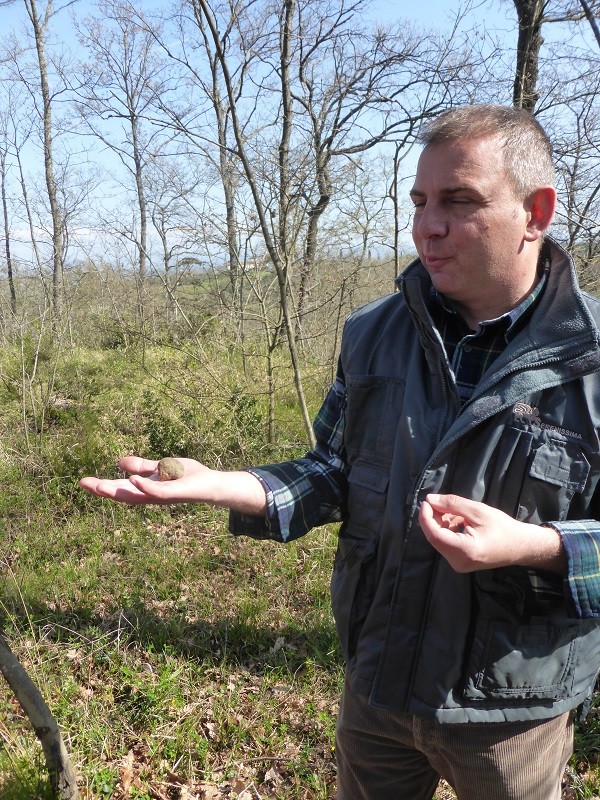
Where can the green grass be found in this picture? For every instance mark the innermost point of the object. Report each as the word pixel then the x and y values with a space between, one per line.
pixel 180 662
pixel 176 654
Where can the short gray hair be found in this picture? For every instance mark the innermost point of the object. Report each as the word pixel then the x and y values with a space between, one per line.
pixel 526 146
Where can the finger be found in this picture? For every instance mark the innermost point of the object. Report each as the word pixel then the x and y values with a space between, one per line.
pixel 427 519
pixel 137 465
pixel 426 512
pixel 455 505
pixel 101 486
pixel 455 522
pixel 431 516
pixel 89 484
pixel 151 486
pixel 183 490
pixel 121 490
pixel 438 531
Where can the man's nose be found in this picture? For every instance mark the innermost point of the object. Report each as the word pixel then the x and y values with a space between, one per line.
pixel 429 220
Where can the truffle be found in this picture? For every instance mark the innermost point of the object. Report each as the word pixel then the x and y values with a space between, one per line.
pixel 170 469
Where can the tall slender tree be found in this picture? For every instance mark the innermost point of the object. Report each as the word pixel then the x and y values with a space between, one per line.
pixel 119 80
pixel 40 16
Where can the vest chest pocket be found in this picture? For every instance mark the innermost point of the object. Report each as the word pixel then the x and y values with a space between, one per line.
pixel 558 470
pixel 536 475
pixel 373 407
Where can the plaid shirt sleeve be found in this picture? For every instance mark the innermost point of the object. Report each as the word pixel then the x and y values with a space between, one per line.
pixel 309 491
pixel 581 540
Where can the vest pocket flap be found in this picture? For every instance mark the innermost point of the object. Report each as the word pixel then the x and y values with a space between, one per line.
pixel 534 661
pixel 369 477
pixel 557 463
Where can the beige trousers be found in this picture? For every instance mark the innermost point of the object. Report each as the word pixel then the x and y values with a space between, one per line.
pixel 383 755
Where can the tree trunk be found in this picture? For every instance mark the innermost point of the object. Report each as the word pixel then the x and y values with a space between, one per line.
pixel 310 250
pixel 7 251
pixel 529 43
pixel 55 210
pixel 61 772
pixel 225 163
pixel 396 205
pixel 277 252
pixel 32 231
pixel 142 244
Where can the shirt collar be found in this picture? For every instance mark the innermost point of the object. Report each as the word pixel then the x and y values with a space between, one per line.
pixel 510 318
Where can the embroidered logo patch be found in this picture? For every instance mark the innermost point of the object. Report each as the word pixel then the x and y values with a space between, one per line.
pixel 531 415
pixel 525 413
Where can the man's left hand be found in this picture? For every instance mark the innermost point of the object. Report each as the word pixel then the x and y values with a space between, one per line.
pixel 472 536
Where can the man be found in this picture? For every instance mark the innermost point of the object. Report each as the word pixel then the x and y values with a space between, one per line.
pixel 460 444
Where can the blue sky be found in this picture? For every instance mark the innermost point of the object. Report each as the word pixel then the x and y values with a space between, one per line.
pixel 441 13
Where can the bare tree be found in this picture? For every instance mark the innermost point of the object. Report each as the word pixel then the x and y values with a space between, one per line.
pixel 224 160
pixel 4 151
pixel 39 20
pixel 575 11
pixel 36 120
pixel 563 91
pixel 177 220
pixel 39 23
pixel 350 86
pixel 576 135
pixel 188 44
pixel 591 15
pixel 120 79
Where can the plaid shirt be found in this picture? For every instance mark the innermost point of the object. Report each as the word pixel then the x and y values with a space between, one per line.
pixel 310 491
pixel 471 353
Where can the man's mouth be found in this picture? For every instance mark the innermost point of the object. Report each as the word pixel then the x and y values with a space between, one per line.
pixel 434 261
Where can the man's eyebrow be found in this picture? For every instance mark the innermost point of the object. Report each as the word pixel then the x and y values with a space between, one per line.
pixel 461 187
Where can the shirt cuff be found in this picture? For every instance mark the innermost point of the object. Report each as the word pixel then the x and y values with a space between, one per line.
pixel 264 527
pixel 581 540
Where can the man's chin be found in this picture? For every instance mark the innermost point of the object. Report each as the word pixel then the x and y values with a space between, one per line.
pixel 443 285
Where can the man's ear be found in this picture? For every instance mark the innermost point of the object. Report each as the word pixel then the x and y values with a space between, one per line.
pixel 540 206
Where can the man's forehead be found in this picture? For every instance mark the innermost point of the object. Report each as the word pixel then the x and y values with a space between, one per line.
pixel 460 164
pixel 491 142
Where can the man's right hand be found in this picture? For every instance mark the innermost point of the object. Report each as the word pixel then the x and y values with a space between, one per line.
pixel 240 491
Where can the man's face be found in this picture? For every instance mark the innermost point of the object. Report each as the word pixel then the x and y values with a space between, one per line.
pixel 469 228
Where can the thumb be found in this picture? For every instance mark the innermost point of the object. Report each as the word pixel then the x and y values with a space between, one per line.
pixel 453 504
